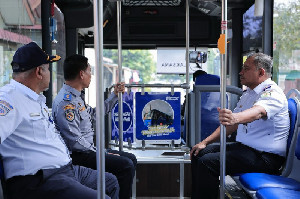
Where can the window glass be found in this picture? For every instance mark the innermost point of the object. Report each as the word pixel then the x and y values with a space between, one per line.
pixel 286 46
pixel 139 67
pixel 17 29
pixel 57 36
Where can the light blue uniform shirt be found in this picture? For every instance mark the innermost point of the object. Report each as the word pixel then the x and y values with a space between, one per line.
pixel 29 140
pixel 266 134
pixel 73 118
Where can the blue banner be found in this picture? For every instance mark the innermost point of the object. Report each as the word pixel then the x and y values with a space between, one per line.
pixel 127 118
pixel 157 116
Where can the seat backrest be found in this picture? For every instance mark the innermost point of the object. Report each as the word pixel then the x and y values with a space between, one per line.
pixel 292 168
pixel 2 181
pixel 209 103
pixel 203 116
pixel 292 137
pixel 292 104
pixel 1 170
pixel 207 79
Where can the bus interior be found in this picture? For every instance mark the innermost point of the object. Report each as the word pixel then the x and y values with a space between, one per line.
pixel 159 28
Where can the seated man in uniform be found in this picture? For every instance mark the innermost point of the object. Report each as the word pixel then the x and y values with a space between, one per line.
pixel 261 120
pixel 36 161
pixel 73 117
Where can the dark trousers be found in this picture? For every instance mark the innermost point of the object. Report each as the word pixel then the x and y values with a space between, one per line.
pixel 239 159
pixel 122 166
pixel 69 181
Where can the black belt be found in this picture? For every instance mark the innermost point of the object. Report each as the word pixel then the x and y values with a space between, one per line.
pixel 16 178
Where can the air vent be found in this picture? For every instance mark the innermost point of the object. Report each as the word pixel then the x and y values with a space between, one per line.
pixel 151 2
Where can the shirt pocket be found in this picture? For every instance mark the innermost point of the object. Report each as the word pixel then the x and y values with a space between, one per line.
pixel 85 123
pixel 42 129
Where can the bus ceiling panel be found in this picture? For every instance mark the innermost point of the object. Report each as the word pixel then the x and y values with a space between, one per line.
pixel 79 17
pixel 163 25
pixel 77 13
pixel 66 3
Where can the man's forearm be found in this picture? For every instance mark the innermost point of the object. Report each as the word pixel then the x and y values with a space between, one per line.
pixel 215 136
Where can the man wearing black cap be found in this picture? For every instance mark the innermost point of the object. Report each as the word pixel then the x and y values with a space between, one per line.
pixel 35 159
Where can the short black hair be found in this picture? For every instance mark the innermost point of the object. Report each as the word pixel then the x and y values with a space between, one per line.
pixel 73 65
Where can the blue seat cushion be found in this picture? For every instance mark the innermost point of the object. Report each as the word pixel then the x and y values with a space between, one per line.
pixel 277 193
pixel 255 181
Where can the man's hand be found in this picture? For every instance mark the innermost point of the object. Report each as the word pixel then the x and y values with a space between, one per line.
pixel 119 87
pixel 227 118
pixel 198 147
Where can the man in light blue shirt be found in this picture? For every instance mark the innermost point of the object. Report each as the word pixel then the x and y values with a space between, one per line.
pixel 73 117
pixel 36 161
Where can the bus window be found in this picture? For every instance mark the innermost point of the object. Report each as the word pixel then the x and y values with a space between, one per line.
pixel 286 48
pixel 20 28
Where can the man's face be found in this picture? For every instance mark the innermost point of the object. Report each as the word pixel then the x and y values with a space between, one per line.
pixel 249 75
pixel 46 77
pixel 87 74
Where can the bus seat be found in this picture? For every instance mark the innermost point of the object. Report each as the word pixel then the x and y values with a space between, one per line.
pixel 210 101
pixel 1 170
pixel 207 112
pixel 277 193
pixel 290 177
pixel 207 79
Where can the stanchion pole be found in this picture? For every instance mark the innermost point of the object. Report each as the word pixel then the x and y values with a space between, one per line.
pixel 100 125
pixel 222 45
pixel 187 63
pixel 120 95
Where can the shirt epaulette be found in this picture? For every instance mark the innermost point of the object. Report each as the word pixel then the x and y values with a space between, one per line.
pixel 67 97
pixel 267 87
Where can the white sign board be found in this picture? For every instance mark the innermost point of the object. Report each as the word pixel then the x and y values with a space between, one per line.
pixel 172 61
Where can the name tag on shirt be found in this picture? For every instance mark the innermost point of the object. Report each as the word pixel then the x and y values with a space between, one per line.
pixel 34 114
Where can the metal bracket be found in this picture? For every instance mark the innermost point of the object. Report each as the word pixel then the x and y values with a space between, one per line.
pixel 172 145
pixel 143 145
pixel 129 143
pixel 185 86
pixel 116 141
pixel 143 89
pixel 128 90
pixel 172 89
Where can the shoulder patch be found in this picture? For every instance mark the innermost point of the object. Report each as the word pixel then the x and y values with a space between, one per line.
pixel 70 115
pixel 266 94
pixel 5 108
pixel 67 97
pixel 69 107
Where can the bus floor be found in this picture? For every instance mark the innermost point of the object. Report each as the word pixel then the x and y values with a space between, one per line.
pixel 233 191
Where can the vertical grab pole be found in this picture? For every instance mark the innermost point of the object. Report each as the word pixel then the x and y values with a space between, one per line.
pixel 120 95
pixel 222 45
pixel 100 125
pixel 187 63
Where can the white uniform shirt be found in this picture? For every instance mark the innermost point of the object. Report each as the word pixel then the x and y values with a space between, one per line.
pixel 266 134
pixel 29 140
